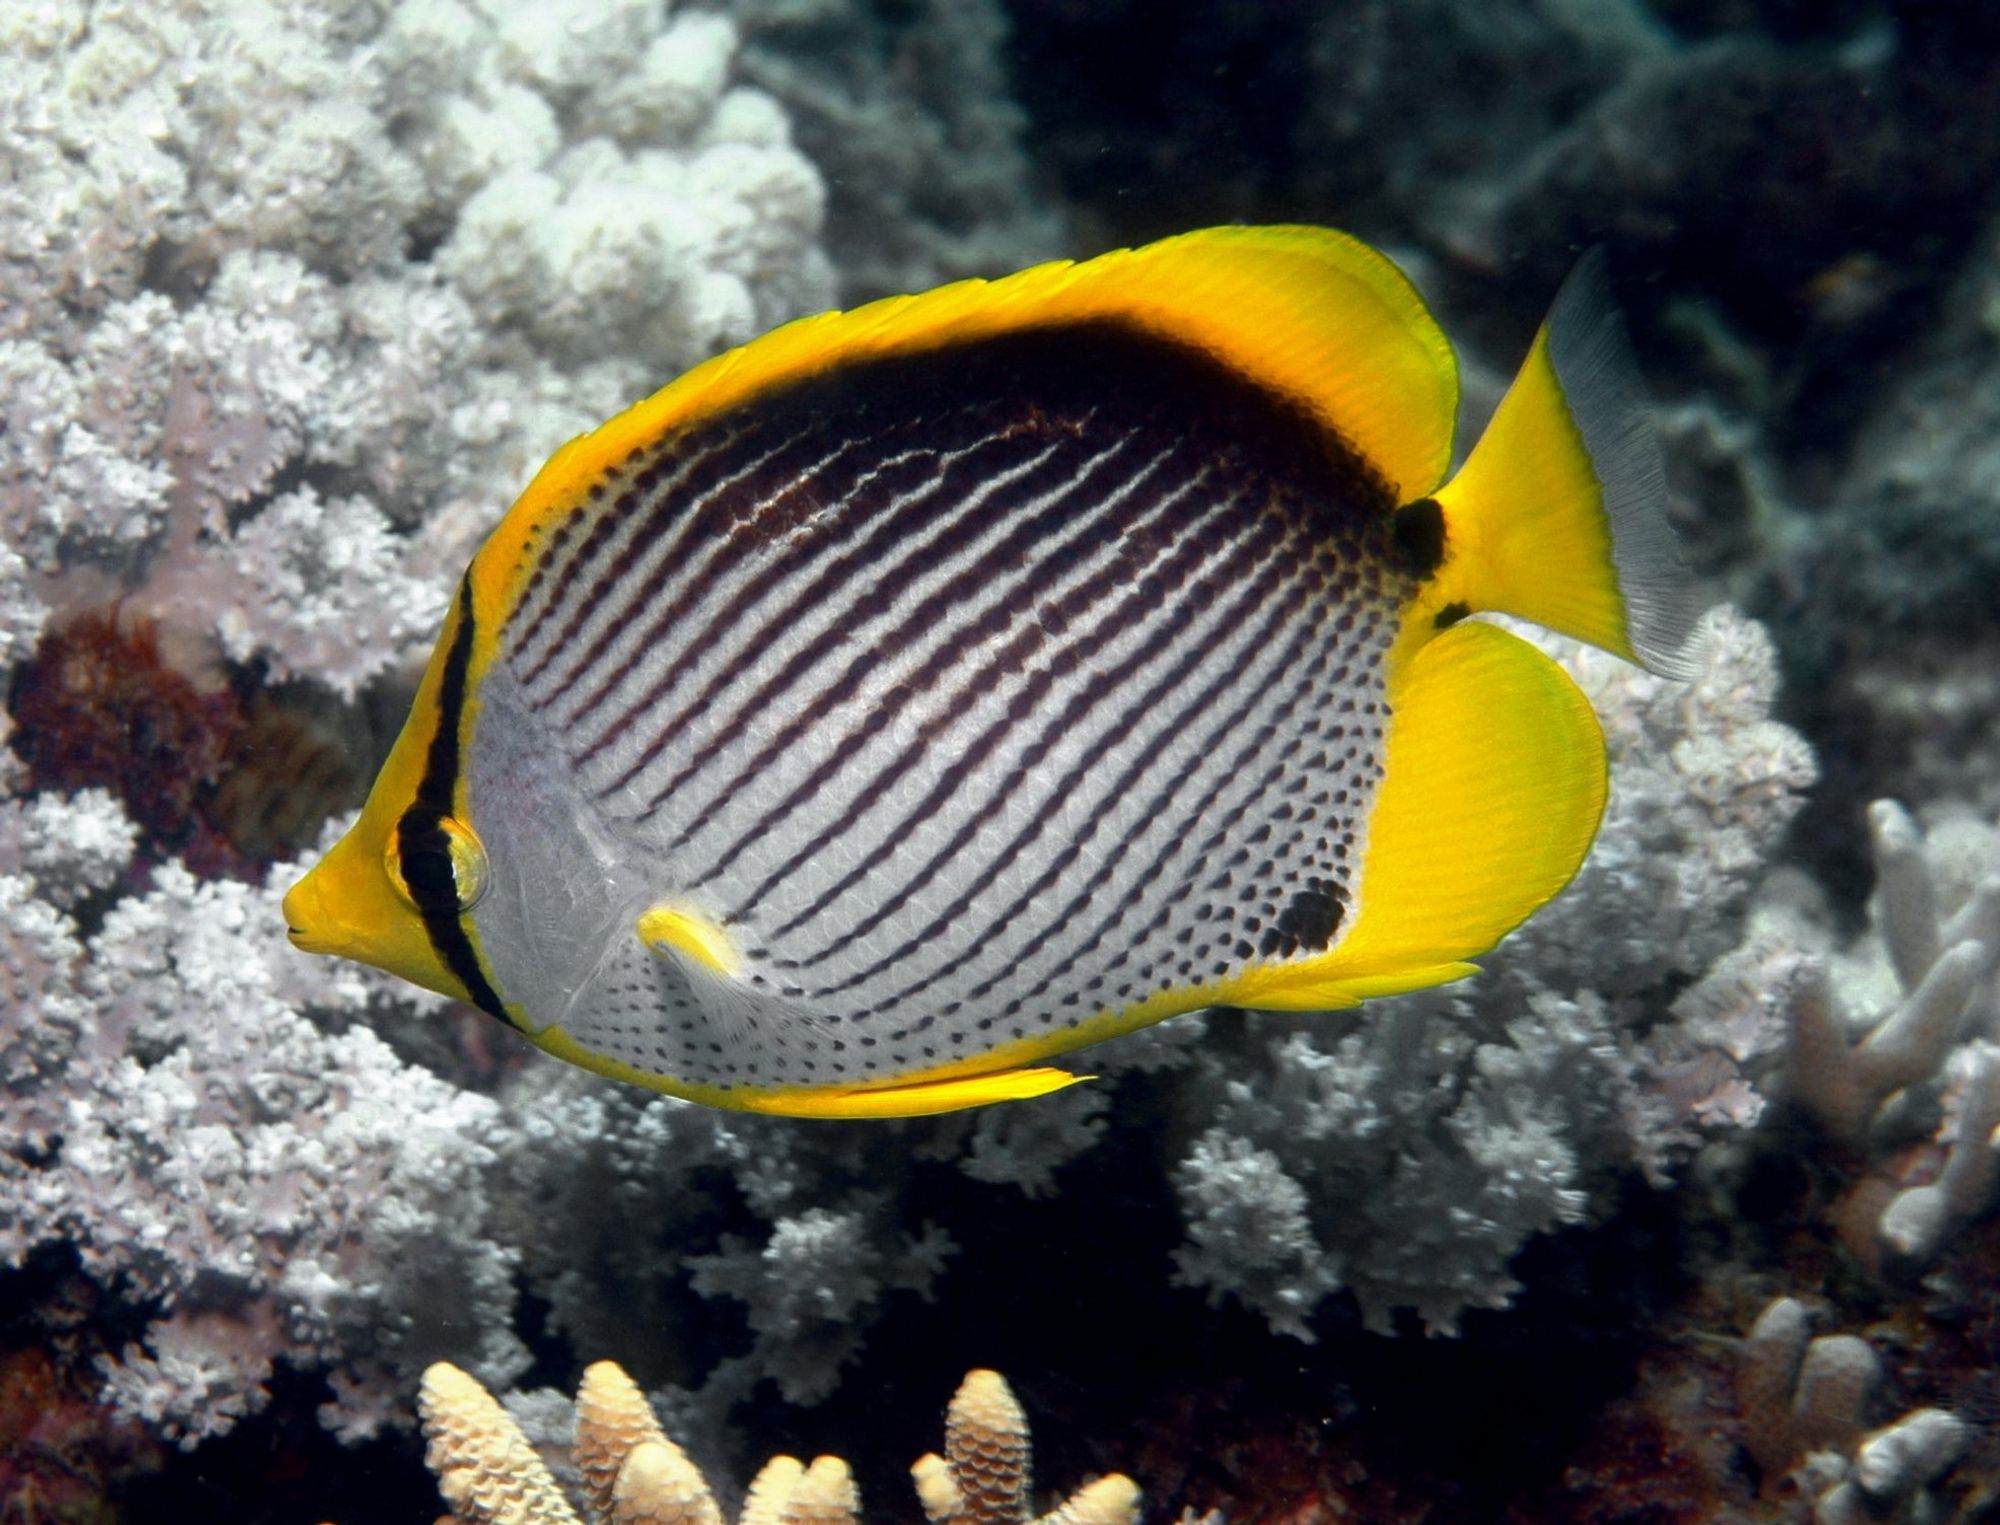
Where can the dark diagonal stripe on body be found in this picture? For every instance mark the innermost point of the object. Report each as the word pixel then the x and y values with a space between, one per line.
pixel 960 644
pixel 882 591
pixel 652 486
pixel 1072 849
pixel 1260 584
pixel 1143 589
pixel 896 539
pixel 716 525
pixel 1309 682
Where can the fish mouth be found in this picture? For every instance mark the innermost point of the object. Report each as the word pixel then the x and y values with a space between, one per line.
pixel 306 922
pixel 308 942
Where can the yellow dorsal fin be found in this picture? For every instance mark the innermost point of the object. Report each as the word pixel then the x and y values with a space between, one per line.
pixel 1559 514
pixel 1306 311
pixel 1493 787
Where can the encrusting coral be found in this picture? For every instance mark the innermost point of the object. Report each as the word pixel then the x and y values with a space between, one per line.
pixel 632 1474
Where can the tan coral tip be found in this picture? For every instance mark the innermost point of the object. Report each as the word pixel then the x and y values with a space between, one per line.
pixel 825 1495
pixel 937 1489
pixel 612 1417
pixel 658 1485
pixel 486 1470
pixel 986 1442
pixel 1112 1500
pixel 770 1490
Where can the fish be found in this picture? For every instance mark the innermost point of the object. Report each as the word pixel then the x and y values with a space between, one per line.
pixel 920 692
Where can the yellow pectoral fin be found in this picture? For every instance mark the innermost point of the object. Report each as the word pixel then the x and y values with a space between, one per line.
pixel 920 1099
pixel 1494 782
pixel 672 927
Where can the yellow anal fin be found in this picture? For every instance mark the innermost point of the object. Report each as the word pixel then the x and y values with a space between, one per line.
pixel 1494 782
pixel 673 927
pixel 1319 992
pixel 919 1099
pixel 1559 514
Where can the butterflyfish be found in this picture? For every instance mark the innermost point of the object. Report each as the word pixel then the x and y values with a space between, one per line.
pixel 921 691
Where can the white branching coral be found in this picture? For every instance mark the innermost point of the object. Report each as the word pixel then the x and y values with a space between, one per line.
pixel 281 283
pixel 808 1286
pixel 270 1190
pixel 1249 1232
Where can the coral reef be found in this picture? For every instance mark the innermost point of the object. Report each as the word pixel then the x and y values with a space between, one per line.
pixel 632 1474
pixel 293 300
pixel 248 254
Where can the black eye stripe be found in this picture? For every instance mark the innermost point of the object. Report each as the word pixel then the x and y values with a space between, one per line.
pixel 423 849
pixel 434 802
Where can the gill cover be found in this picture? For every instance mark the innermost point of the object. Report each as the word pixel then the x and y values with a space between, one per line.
pixel 410 860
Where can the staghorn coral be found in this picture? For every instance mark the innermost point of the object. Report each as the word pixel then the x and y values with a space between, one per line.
pixel 1941 957
pixel 632 1474
pixel 1926 1062
pixel 1889 1045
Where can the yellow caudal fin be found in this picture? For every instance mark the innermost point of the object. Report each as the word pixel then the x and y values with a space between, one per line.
pixel 1559 514
pixel 1493 786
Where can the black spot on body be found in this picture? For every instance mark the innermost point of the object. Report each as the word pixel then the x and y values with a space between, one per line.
pixel 1451 614
pixel 1312 915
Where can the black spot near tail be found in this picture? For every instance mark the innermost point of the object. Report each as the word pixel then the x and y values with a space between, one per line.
pixel 1451 614
pixel 1308 921
pixel 1419 532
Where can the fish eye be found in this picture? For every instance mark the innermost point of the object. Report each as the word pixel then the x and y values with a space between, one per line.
pixel 435 862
